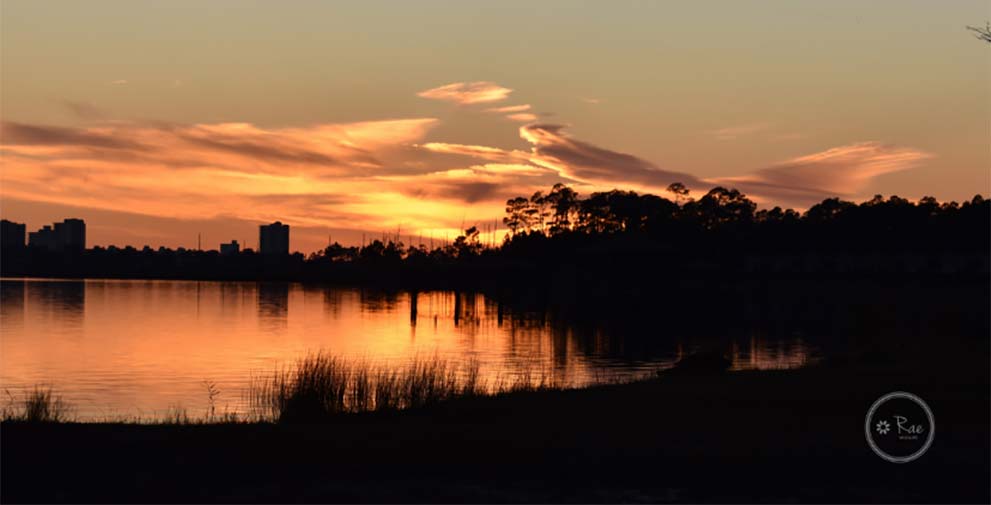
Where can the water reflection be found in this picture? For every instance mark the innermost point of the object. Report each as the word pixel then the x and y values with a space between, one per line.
pixel 12 304
pixel 761 354
pixel 376 301
pixel 273 306
pixel 59 303
pixel 145 346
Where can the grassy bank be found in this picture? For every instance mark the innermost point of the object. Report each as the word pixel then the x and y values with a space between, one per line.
pixel 750 436
pixel 317 388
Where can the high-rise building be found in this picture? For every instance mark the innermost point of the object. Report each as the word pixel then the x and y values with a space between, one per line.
pixel 69 235
pixel 44 238
pixel 230 249
pixel 273 238
pixel 11 234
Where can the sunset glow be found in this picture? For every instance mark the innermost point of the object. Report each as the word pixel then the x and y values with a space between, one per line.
pixel 433 150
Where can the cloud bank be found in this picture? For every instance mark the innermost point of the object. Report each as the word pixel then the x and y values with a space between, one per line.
pixel 363 175
pixel 372 175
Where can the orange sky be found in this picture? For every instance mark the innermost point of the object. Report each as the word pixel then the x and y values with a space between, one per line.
pixel 158 122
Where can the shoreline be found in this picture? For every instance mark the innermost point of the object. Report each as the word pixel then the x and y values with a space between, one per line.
pixel 782 436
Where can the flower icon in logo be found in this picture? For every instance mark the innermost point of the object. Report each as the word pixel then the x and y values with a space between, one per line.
pixel 883 427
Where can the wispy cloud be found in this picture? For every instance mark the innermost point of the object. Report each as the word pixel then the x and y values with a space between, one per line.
pixel 492 182
pixel 524 117
pixel 515 112
pixel 119 82
pixel 348 175
pixel 734 132
pixel 474 151
pixel 840 171
pixel 371 175
pixel 242 147
pixel 467 93
pixel 83 110
pixel 509 109
pixel 575 159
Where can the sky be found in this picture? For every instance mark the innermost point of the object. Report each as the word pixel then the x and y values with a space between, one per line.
pixel 158 122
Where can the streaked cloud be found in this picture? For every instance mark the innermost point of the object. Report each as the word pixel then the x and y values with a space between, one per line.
pixel 840 171
pixel 371 175
pixel 483 152
pixel 467 93
pixel 524 117
pixel 23 135
pixel 491 182
pixel 119 82
pixel 242 147
pixel 509 109
pixel 583 161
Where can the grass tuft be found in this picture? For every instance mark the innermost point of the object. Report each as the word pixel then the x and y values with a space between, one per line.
pixel 320 386
pixel 41 405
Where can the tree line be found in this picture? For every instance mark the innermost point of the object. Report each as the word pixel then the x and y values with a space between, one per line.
pixel 602 231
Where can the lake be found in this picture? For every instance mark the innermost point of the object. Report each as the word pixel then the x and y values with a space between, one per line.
pixel 135 347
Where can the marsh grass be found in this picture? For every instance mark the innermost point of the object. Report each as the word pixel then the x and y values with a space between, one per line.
pixel 40 405
pixel 319 386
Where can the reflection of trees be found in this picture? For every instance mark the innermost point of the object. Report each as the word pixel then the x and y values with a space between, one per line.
pixel 62 301
pixel 273 304
pixel 12 302
pixel 373 300
pixel 333 300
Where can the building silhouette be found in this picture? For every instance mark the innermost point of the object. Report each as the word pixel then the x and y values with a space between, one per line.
pixel 44 238
pixel 12 234
pixel 273 238
pixel 69 235
pixel 229 249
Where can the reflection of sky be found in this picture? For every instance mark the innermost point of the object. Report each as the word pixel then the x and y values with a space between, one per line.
pixel 143 346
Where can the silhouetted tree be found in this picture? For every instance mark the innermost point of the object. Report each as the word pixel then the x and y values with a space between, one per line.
pixel 516 219
pixel 467 245
pixel 679 191
pixel 563 202
pixel 982 33
pixel 721 206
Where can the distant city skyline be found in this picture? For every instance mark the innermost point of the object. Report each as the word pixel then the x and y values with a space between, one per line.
pixel 159 123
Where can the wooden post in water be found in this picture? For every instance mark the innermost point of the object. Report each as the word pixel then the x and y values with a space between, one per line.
pixel 412 307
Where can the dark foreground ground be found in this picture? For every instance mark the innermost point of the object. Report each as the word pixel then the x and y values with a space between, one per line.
pixel 760 436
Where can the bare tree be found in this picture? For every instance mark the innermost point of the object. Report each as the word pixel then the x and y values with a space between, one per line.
pixel 982 33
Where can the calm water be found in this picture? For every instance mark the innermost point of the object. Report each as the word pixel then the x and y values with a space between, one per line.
pixel 142 347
